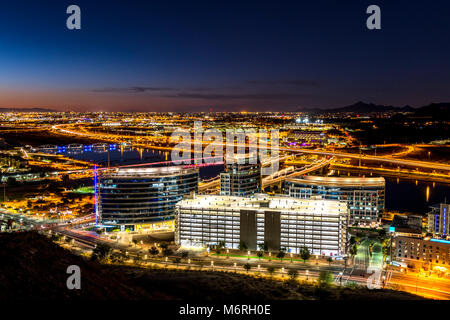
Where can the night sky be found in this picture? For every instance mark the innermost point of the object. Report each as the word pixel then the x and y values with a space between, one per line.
pixel 224 55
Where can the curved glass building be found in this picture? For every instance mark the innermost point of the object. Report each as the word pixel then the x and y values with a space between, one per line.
pixel 135 198
pixel 365 196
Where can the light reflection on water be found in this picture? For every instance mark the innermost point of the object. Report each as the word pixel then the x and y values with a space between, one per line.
pixel 126 155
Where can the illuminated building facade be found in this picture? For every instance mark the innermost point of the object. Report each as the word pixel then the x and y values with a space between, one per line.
pixel 278 221
pixel 438 220
pixel 365 196
pixel 135 198
pixel 421 253
pixel 241 179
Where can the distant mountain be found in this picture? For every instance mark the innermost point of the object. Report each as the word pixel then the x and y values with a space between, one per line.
pixel 26 110
pixel 361 107
pixel 435 110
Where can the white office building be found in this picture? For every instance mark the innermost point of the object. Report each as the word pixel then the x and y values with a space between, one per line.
pixel 278 221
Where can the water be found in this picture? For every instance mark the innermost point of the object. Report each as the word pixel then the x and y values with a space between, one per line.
pixel 401 195
pixel 413 195
pixel 125 156
pixel 117 155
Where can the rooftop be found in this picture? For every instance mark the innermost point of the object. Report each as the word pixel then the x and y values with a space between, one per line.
pixel 339 181
pixel 265 203
pixel 153 171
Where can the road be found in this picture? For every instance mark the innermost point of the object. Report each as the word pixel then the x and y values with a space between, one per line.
pixel 362 257
pixel 430 287
pixel 385 159
pixel 427 286
pixel 308 270
pixel 24 221
pixel 307 169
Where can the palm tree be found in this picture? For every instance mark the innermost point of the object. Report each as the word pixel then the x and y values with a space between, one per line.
pixel 353 251
pixel 260 254
pixel 101 252
pixel 242 246
pixel 118 259
pixel 325 278
pixel 247 267
pixel 330 260
pixel 263 246
pixel 386 249
pixel 270 270
pixel 220 245
pixel 184 255
pixel 138 259
pixel 281 253
pixel 305 254
pixel 153 251
pixel 167 252
pixel 293 273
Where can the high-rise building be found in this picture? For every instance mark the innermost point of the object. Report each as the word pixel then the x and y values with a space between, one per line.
pixel 277 221
pixel 136 198
pixel 438 220
pixel 241 179
pixel 365 196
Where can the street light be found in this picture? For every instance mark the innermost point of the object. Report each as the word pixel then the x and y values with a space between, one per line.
pixel 282 272
pixel 291 257
pixel 248 255
pixel 235 267
pixel 307 273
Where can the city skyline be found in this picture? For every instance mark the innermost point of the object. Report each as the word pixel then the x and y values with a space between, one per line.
pixel 223 156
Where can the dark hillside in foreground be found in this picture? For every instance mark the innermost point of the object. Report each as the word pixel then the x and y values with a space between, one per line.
pixel 33 267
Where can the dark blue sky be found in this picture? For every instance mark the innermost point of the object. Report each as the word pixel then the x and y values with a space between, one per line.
pixel 225 55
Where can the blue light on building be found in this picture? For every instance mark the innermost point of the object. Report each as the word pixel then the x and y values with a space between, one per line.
pixel 441 241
